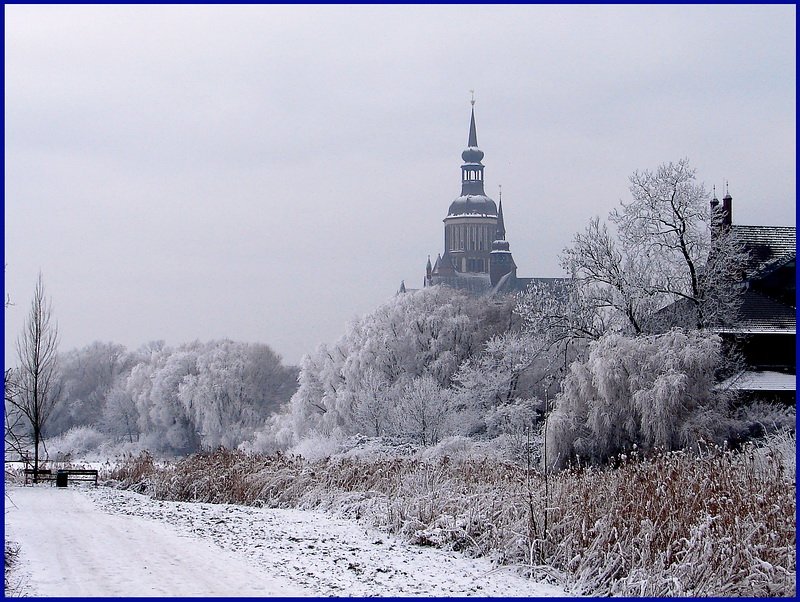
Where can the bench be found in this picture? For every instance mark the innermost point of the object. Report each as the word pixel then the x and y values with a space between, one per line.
pixel 73 474
pixel 80 474
pixel 43 474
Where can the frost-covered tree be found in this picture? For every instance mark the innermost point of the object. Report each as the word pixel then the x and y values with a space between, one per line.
pixel 662 254
pixel 86 377
pixel 353 386
pixel 421 410
pixel 613 278
pixel 513 365
pixel 369 396
pixel 651 391
pixel 171 424
pixel 232 390
pixel 120 415
pixel 561 319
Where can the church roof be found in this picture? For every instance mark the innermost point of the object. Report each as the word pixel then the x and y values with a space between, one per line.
pixel 476 284
pixel 472 204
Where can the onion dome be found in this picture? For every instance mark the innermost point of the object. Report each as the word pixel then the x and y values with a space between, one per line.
pixel 472 155
pixel 473 204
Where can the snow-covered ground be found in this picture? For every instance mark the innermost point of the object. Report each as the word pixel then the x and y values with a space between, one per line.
pixel 86 541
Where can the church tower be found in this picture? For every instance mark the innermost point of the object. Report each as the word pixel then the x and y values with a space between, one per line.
pixel 471 222
pixel 477 257
pixel 501 262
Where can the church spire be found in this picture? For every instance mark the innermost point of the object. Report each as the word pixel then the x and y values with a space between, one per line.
pixel 473 134
pixel 500 234
pixel 472 169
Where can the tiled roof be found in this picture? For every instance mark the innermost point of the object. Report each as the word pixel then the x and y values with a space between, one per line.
pixel 760 313
pixel 768 245
pixel 767 380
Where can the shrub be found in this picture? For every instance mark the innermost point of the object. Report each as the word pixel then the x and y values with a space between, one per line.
pixel 650 392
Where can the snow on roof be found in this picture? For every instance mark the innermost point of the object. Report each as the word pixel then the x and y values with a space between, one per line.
pixel 767 380
pixel 452 216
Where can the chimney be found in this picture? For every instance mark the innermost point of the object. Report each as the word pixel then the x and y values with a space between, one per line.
pixel 727 209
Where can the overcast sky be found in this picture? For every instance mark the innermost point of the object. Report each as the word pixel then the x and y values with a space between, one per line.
pixel 267 173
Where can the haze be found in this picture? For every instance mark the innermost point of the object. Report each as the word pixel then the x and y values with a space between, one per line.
pixel 266 173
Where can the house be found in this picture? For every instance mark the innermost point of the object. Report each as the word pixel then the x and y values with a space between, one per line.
pixel 764 328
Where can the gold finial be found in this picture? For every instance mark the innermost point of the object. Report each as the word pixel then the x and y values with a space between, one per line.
pixel 472 100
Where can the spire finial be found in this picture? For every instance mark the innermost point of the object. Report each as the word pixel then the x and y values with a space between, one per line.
pixel 500 193
pixel 472 99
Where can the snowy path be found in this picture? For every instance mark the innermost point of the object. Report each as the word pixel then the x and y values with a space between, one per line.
pixel 106 542
pixel 69 548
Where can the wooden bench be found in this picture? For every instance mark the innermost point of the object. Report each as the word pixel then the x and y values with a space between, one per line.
pixel 73 474
pixel 80 474
pixel 43 474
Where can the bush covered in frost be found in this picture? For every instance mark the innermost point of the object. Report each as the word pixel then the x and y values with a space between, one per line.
pixel 651 392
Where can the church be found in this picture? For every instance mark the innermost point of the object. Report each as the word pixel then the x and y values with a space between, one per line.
pixel 477 257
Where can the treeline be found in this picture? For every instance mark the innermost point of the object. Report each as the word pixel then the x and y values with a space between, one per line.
pixel 621 356
pixel 168 400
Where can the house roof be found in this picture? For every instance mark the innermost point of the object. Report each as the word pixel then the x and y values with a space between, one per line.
pixel 768 245
pixel 762 314
pixel 763 380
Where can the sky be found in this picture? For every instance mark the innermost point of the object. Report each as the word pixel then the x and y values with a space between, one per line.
pixel 268 173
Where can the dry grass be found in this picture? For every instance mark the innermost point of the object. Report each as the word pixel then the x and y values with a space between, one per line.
pixel 673 525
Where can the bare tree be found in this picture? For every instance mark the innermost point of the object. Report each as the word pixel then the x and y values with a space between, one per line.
pixel 36 377
pixel 612 276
